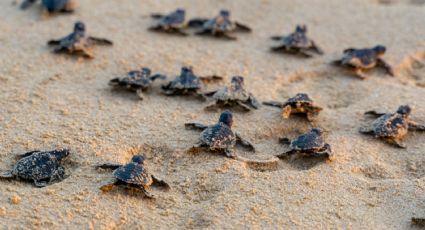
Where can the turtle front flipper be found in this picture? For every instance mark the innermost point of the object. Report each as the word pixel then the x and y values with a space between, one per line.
pixel 210 94
pixel 53 42
pixel 230 154
pixel 416 127
pixel 6 175
pixel 245 106
pixel 196 126
pixel 387 67
pixel 273 103
pixel 374 113
pixel 327 150
pixel 156 16
pixel 229 37
pixel 396 142
pixel 100 41
pixel 108 166
pixel 27 3
pixel 286 154
pixel 244 143
pixel 284 141
pixel 253 102
pixel 158 76
pixel 359 73
pixel 160 182
pixel 28 154
pixel 212 106
pixel 242 27
pixel 276 38
pixel 316 48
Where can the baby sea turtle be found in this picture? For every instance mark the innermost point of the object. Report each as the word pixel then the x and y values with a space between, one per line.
pixel 220 137
pixel 361 60
pixel 297 43
pixel 52 6
pixel 42 168
pixel 133 175
pixel 309 144
pixel 235 95
pixel 219 26
pixel 392 127
pixel 78 43
pixel 173 22
pixel 187 83
pixel 300 104
pixel 137 80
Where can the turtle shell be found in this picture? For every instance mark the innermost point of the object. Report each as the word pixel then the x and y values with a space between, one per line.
pixel 300 98
pixel 361 58
pixel 218 136
pixel 55 5
pixel 134 80
pixel 229 94
pixel 390 125
pixel 175 18
pixel 308 141
pixel 297 39
pixel 186 81
pixel 133 173
pixel 38 166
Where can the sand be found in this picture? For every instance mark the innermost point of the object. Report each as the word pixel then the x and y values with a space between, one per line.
pixel 50 101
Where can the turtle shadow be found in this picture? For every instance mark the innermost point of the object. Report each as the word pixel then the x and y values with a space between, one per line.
pixel 305 162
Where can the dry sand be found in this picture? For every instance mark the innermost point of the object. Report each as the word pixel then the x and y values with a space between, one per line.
pixel 49 101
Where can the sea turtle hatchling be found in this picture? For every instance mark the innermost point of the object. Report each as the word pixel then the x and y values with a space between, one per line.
pixel 42 168
pixel 137 80
pixel 219 26
pixel 308 144
pixel 52 6
pixel 235 95
pixel 361 60
pixel 220 137
pixel 173 22
pixel 392 127
pixel 133 175
pixel 297 43
pixel 78 42
pixel 187 84
pixel 300 104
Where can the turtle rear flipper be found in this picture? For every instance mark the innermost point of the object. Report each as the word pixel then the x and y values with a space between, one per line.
pixel 197 22
pixel 100 41
pixel 273 103
pixel 147 194
pixel 160 182
pixel 396 142
pixel 253 102
pixel 244 143
pixel 416 127
pixel 6 175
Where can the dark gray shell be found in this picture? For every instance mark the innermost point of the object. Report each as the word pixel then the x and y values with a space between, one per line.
pixel 218 136
pixel 134 80
pixel 229 94
pixel 38 166
pixel 298 39
pixel 55 5
pixel 300 98
pixel 186 81
pixel 362 58
pixel 219 24
pixel 174 19
pixel 308 141
pixel 390 125
pixel 133 173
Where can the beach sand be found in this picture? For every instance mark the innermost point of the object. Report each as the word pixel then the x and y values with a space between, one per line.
pixel 52 101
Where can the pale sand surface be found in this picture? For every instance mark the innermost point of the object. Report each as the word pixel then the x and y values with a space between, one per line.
pixel 50 101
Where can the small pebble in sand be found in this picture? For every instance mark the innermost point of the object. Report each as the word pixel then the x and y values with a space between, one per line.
pixel 15 199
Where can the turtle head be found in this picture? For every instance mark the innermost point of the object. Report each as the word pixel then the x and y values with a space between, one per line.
pixel 380 49
pixel 60 154
pixel 237 82
pixel 317 131
pixel 301 29
pixel 225 13
pixel 79 27
pixel 404 110
pixel 186 70
pixel 138 159
pixel 226 118
pixel 146 71
pixel 180 11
